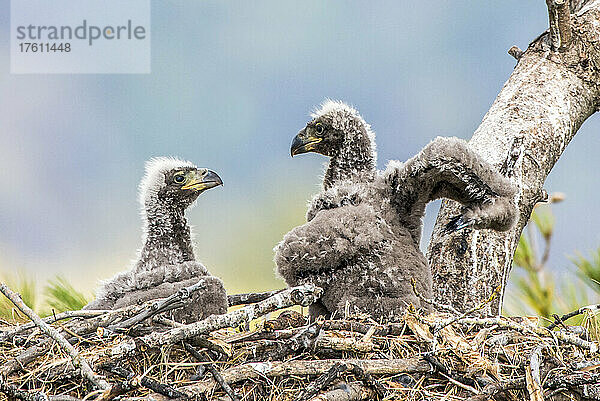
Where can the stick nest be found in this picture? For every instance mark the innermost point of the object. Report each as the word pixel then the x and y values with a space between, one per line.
pixel 421 357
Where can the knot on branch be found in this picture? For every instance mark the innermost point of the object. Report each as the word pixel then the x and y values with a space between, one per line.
pixel 306 295
pixel 516 52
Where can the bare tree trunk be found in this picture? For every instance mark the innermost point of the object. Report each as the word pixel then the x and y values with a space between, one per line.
pixel 554 88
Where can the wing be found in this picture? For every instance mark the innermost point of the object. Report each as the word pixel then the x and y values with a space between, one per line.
pixel 448 168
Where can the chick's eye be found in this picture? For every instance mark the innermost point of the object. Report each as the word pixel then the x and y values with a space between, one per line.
pixel 179 179
pixel 319 128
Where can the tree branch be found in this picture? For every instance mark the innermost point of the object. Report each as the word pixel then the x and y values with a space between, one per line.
pixel 539 110
pixel 250 298
pixel 309 367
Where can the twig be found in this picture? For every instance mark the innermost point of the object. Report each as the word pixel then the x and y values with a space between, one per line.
pixel 544 332
pixel 174 301
pixel 575 380
pixel 302 295
pixel 147 382
pixel 14 393
pixel 250 298
pixel 367 379
pixel 344 344
pixel 76 359
pixel 213 371
pixel 532 375
pixel 9 335
pixel 340 325
pixel 559 14
pixel 580 311
pixel 166 322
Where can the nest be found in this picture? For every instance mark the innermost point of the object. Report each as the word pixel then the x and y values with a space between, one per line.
pixel 250 354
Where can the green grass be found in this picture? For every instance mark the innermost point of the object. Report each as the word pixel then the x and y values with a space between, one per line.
pixel 24 285
pixel 58 296
pixel 61 296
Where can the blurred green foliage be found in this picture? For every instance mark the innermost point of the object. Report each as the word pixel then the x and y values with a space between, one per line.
pixel 534 288
pixel 58 296
pixel 25 286
pixel 61 296
pixel 589 269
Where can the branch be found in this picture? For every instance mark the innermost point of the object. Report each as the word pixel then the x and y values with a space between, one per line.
pixel 580 311
pixel 547 98
pixel 532 375
pixel 302 295
pixel 250 298
pixel 559 13
pixel 494 389
pixel 76 359
pixel 543 332
pixel 516 52
pixel 213 371
pixel 144 381
pixel 254 371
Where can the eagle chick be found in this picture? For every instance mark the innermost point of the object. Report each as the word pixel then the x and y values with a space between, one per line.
pixel 166 263
pixel 361 239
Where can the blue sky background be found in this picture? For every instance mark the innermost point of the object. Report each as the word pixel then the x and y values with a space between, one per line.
pixel 231 84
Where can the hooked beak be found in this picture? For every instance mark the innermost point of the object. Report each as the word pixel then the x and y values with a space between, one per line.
pixel 303 143
pixel 201 180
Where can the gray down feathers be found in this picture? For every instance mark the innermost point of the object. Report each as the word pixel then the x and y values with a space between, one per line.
pixel 166 263
pixel 361 239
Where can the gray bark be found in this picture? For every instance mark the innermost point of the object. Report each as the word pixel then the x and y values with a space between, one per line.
pixel 539 110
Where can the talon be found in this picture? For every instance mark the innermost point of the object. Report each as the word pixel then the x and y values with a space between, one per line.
pixel 457 223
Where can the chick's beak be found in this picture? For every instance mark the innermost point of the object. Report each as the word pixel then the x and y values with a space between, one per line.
pixel 303 143
pixel 201 180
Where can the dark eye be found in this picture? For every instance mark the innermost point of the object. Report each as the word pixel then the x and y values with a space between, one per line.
pixel 179 179
pixel 319 128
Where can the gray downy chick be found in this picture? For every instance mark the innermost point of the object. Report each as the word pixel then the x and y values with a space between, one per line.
pixel 361 239
pixel 166 262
